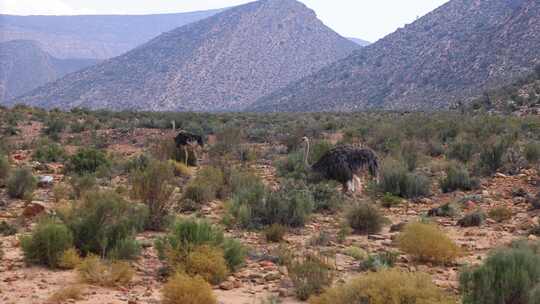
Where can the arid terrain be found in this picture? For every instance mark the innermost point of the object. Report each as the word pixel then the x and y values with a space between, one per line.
pixel 261 277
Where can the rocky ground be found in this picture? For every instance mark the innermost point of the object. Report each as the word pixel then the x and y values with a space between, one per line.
pixel 261 277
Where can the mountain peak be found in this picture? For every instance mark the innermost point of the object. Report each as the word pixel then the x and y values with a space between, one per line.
pixel 224 62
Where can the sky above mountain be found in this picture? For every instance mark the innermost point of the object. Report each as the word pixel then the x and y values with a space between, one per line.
pixel 366 19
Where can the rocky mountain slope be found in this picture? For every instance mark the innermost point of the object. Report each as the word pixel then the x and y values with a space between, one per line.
pixel 92 36
pixel 360 42
pixel 222 63
pixel 452 54
pixel 24 66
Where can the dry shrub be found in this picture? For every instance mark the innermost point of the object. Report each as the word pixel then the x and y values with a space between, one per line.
pixel 427 243
pixel 71 292
pixel 70 259
pixel 183 289
pixel 386 287
pixel 93 270
pixel 365 218
pixel 60 192
pixel 310 274
pixel 207 262
pixel 500 214
pixel 275 233
pixel 180 169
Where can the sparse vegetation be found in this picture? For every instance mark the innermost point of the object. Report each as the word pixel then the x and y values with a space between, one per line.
pixel 93 270
pixel 21 183
pixel 47 243
pixel 365 218
pixel 500 214
pixel 310 275
pixel 457 178
pixel 396 180
pixel 87 161
pixel 275 233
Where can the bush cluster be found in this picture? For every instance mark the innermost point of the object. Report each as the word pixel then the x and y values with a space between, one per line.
pixel 396 180
pixel 49 152
pixel 510 275
pixel 193 246
pixel 365 218
pixel 457 178
pixel 87 161
pixel 310 275
pixel 47 243
pixel 21 183
pixel 209 184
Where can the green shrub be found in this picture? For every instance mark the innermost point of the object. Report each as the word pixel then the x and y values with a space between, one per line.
pixel 310 275
pixel 153 186
pixel 365 218
pixel 275 233
pixel 357 253
pixel 104 224
pixel 255 207
pixel 457 178
pixel 427 243
pixel 82 184
pixel 293 167
pixel 389 200
pixel 47 243
pixel 21 183
pixel 491 155
pixel 472 220
pixel 532 152
pixel 500 214
pixel 410 155
pixel 49 152
pixel 7 229
pixel 69 259
pixel 187 234
pixel 380 261
pixel 461 150
pixel 208 185
pixel 183 289
pixel 397 181
pixel 508 276
pixel 4 169
pixel 386 287
pixel 326 197
pixel 87 161
pixel 53 127
pixel 446 210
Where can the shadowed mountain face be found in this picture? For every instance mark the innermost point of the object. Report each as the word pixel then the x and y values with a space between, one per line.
pixel 97 36
pixel 24 66
pixel 452 54
pixel 360 42
pixel 221 63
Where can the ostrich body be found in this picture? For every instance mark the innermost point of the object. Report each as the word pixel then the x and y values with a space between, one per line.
pixel 344 164
pixel 185 139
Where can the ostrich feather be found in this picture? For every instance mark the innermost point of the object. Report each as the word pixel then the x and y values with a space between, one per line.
pixel 183 138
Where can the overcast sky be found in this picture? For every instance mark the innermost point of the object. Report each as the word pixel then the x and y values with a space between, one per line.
pixel 366 19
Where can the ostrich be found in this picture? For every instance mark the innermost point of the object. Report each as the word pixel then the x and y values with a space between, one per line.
pixel 343 164
pixel 185 139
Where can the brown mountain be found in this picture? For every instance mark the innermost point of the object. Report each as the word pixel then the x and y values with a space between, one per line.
pixel 93 36
pixel 24 66
pixel 452 54
pixel 221 63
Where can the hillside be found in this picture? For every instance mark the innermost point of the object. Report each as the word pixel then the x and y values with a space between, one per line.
pixel 454 53
pixel 360 42
pixel 24 66
pixel 222 63
pixel 92 36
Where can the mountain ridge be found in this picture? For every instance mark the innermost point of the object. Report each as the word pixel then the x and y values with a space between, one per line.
pixel 221 63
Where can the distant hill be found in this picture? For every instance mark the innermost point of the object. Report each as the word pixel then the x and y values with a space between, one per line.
pixel 24 66
pixel 92 36
pixel 360 42
pixel 452 54
pixel 221 63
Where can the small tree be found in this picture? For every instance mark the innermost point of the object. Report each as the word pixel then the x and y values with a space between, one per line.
pixel 153 187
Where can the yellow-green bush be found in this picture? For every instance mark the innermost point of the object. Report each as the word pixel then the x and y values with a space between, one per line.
pixel 386 287
pixel 47 243
pixel 427 243
pixel 70 259
pixel 183 289
pixel 93 270
pixel 207 262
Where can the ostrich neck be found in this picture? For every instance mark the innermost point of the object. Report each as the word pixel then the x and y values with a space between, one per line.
pixel 306 156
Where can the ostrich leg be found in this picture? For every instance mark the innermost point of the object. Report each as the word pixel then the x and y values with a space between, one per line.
pixel 186 155
pixel 358 184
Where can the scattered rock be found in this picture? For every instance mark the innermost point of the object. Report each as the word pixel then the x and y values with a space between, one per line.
pixel 33 209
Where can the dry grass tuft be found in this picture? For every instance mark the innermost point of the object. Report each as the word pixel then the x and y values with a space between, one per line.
pixel 93 270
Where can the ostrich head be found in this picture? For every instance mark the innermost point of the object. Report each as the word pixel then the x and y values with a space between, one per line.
pixel 305 141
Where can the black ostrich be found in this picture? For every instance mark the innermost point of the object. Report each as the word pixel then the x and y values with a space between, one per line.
pixel 185 139
pixel 344 164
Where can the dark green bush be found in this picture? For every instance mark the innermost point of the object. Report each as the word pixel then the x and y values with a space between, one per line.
pixel 7 229
pixel 326 197
pixel 457 178
pixel 365 218
pixel 461 150
pixel 47 243
pixel 532 152
pixel 4 169
pixel 49 152
pixel 153 186
pixel 275 233
pixel 310 275
pixel 446 210
pixel 82 184
pixel 209 184
pixel 53 127
pixel 473 219
pixel 508 276
pixel 21 183
pixel 491 155
pixel 104 223
pixel 397 181
pixel 87 161
pixel 255 207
